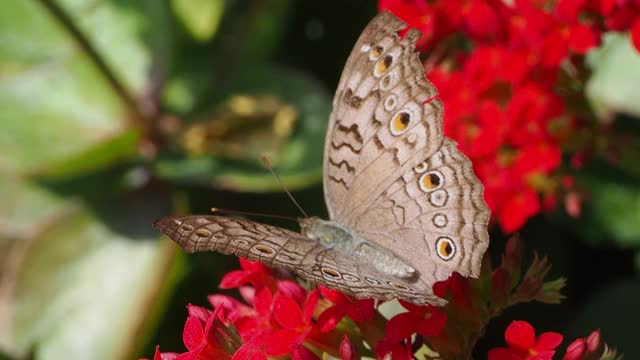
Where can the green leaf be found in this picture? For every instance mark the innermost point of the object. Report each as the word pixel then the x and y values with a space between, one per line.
pixel 611 212
pixel 613 87
pixel 79 281
pixel 56 104
pixel 300 163
pixel 200 17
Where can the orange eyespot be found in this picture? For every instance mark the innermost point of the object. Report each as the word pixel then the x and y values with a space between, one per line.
pixel 422 167
pixel 384 65
pixel 430 181
pixel 400 123
pixel 376 52
pixel 445 248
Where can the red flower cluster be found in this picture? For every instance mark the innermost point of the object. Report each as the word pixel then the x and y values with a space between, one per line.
pixel 502 103
pixel 279 317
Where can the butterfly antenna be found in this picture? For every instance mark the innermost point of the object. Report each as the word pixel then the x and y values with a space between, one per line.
pixel 266 163
pixel 248 213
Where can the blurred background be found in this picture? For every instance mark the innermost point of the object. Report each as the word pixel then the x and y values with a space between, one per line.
pixel 114 113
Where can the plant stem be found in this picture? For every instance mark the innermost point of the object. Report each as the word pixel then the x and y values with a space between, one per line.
pixel 137 118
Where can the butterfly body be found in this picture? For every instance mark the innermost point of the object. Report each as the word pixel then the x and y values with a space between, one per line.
pixel 405 207
pixel 333 235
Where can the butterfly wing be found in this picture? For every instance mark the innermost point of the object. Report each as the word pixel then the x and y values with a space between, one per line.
pixel 434 217
pixel 385 116
pixel 277 247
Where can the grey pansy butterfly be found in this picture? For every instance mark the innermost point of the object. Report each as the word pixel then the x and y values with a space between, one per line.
pixel 406 209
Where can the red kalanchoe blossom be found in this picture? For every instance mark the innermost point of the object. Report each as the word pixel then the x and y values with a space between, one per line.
pixel 347 350
pixel 582 348
pixel 501 88
pixel 198 337
pixel 343 305
pixel 295 322
pixel 253 272
pixel 278 325
pixel 523 344
pixel 424 320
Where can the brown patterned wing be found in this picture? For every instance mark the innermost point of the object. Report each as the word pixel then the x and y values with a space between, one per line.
pixel 385 118
pixel 433 217
pixel 277 247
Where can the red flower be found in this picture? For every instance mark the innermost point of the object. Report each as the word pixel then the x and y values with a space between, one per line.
pixel 582 347
pixel 347 350
pixel 357 310
pixel 635 34
pixel 278 324
pixel 424 320
pixel 198 337
pixel 295 321
pixel 459 288
pixel 253 273
pixel 518 208
pixel 523 344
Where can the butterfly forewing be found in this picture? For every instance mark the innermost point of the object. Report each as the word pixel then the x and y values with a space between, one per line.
pixel 385 118
pixel 277 247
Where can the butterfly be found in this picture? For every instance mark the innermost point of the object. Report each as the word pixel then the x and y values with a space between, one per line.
pixel 405 207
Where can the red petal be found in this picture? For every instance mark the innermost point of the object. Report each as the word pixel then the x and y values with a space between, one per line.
pixel 360 310
pixel 280 342
pixel 502 354
pixel 413 308
pixel 555 48
pixel 347 350
pixel 582 39
pixel 156 355
pixel 310 305
pixel 401 326
pixel 434 324
pixel 576 350
pixel 568 10
pixel 193 335
pixel 250 351
pixel 253 266
pixel 520 336
pixel 248 293
pixel 234 279
pixel 548 341
pixel 302 353
pixel 334 296
pixel 517 209
pixel 199 312
pixel 593 341
pixel 191 355
pixel 635 34
pixel 169 356
pixel 545 355
pixel 292 289
pixel 287 312
pixel 330 318
pixel 263 302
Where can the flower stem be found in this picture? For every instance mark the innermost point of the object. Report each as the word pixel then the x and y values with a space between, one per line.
pixel 137 118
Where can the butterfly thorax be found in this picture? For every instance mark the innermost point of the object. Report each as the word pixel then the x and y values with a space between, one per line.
pixel 338 237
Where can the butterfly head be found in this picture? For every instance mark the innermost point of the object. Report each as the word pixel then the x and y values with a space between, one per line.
pixel 329 233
